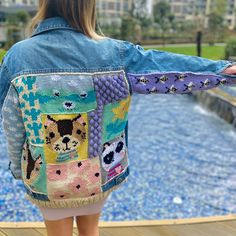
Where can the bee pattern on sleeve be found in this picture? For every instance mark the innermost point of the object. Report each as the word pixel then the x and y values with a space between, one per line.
pixel 175 83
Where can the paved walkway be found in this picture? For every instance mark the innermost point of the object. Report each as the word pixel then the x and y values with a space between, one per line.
pixel 210 226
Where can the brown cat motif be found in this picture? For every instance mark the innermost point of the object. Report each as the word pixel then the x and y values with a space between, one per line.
pixel 65 135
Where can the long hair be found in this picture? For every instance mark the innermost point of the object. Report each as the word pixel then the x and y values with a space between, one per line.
pixel 80 14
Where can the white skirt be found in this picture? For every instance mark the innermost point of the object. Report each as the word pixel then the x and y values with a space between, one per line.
pixel 61 213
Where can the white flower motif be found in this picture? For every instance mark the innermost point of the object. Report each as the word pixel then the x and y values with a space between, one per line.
pixel 72 83
pixel 55 77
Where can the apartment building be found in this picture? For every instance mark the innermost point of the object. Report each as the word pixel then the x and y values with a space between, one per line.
pixel 8 7
pixel 8 3
pixel 111 11
pixel 194 10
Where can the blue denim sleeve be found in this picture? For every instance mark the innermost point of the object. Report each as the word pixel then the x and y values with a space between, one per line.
pixel 153 71
pixel 4 84
pixel 13 126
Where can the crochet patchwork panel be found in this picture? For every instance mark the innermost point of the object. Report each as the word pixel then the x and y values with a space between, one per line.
pixel 76 127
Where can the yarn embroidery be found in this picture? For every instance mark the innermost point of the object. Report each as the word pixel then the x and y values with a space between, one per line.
pixel 110 88
pixel 115 116
pixel 175 83
pixel 74 179
pixel 66 94
pixel 114 158
pixel 34 167
pixel 26 88
pixel 65 137
pixel 66 115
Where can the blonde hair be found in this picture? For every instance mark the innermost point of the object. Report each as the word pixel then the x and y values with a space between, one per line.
pixel 80 14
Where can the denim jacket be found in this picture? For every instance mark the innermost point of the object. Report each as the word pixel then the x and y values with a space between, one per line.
pixel 65 100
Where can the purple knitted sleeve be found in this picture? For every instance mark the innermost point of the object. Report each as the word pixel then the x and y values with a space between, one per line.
pixel 178 83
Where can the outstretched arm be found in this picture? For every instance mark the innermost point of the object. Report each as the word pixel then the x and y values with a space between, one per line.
pixel 153 71
pixel 230 70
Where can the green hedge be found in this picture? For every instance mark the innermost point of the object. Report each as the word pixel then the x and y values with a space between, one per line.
pixel 2 53
pixel 230 49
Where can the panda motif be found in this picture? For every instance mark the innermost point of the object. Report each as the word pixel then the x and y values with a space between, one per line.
pixel 113 153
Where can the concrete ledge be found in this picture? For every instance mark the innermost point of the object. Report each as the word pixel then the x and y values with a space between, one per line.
pixel 130 223
pixel 223 104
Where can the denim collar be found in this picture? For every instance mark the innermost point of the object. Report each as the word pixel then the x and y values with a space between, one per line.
pixel 51 23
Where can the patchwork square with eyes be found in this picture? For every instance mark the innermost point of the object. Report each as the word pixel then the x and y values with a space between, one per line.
pixel 114 158
pixel 66 93
pixel 65 137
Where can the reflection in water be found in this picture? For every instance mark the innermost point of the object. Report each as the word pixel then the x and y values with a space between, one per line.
pixel 182 162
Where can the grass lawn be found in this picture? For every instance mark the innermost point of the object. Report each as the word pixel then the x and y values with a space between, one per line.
pixel 210 52
pixel 2 53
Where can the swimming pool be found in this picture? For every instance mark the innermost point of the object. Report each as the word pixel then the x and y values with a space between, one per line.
pixel 229 89
pixel 182 165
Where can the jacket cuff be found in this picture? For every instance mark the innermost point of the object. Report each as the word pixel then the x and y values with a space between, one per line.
pixel 227 64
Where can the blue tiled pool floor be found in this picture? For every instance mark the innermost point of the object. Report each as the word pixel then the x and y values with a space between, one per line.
pixel 182 165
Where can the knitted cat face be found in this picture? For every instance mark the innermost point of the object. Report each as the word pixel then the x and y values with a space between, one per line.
pixel 64 135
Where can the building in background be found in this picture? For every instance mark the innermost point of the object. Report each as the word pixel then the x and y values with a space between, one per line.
pixel 193 10
pixel 8 3
pixel 230 12
pixel 111 11
pixel 10 7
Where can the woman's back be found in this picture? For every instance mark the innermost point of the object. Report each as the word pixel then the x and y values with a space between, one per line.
pixel 70 95
pixel 65 95
pixel 57 46
pixel 74 100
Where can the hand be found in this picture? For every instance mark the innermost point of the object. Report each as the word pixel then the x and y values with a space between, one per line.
pixel 230 70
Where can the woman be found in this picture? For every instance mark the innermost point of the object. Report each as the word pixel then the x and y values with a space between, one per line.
pixel 65 94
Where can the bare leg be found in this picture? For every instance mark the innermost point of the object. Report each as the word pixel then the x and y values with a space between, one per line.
pixel 88 225
pixel 62 227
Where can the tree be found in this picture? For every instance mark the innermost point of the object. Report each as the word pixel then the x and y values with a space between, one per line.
pixel 216 19
pixel 163 17
pixel 139 10
pixel 128 27
pixel 139 13
pixel 16 26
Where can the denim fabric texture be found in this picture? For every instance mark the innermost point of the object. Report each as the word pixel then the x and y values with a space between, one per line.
pixel 64 101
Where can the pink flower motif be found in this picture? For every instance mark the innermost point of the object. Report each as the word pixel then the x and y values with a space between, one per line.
pixel 79 186
pixel 94 174
pixel 60 195
pixel 80 166
pixel 94 190
pixel 57 172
